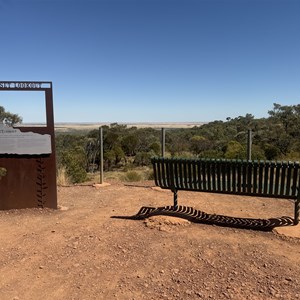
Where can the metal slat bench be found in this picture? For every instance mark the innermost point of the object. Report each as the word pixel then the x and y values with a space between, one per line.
pixel 238 177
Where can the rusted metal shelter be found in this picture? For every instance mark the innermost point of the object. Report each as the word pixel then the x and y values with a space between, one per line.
pixel 27 155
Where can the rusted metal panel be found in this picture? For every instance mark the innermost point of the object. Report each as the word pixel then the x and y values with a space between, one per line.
pixel 30 180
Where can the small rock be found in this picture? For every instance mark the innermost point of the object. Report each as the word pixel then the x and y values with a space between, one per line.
pixel 288 279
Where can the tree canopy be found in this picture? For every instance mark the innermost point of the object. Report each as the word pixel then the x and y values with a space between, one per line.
pixel 9 118
pixel 274 138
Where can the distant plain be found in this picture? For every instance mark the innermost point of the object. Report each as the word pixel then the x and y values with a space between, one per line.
pixel 65 127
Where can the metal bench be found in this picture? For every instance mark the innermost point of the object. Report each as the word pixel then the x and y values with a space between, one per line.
pixel 238 177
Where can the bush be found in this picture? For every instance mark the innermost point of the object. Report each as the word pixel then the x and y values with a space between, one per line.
pixel 211 154
pixel 272 152
pixel 149 175
pixel 74 163
pixel 132 176
pixel 143 158
pixel 257 153
pixel 235 150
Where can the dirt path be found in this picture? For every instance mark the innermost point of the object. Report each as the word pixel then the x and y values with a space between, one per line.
pixel 80 252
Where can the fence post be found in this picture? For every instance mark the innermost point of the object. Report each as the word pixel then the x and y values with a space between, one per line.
pixel 249 144
pixel 101 154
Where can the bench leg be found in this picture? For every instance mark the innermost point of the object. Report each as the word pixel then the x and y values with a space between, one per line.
pixel 297 211
pixel 175 199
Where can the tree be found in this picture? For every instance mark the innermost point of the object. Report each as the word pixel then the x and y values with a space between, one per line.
pixel 235 150
pixel 176 142
pixel 75 164
pixel 129 144
pixel 71 155
pixel 113 157
pixel 288 116
pixel 8 118
pixel 92 148
pixel 271 152
pixel 199 144
pixel 143 158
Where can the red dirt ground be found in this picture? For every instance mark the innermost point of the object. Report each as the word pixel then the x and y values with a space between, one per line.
pixel 80 252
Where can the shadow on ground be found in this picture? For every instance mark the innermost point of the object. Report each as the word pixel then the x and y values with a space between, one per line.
pixel 197 216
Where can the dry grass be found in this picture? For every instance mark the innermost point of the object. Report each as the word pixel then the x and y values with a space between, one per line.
pixel 127 175
pixel 62 177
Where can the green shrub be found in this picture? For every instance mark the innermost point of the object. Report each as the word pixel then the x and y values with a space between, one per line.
pixel 235 150
pixel 271 152
pixel 143 158
pixel 257 153
pixel 211 154
pixel 74 163
pixel 132 176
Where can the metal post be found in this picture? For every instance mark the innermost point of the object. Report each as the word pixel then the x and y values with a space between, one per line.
pixel 101 154
pixel 249 144
pixel 163 141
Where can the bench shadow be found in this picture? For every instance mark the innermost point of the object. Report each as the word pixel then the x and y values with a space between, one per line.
pixel 197 216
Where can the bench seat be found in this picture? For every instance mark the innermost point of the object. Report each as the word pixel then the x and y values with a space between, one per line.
pixel 239 177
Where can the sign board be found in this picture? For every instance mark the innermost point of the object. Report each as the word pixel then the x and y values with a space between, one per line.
pixel 19 85
pixel 27 155
pixel 13 141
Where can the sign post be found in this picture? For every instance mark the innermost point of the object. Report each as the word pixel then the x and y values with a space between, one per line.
pixel 101 154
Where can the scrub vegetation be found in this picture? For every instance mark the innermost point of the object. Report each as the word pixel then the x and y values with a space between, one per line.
pixel 128 149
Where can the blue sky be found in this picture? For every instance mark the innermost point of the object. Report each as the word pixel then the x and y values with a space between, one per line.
pixel 151 60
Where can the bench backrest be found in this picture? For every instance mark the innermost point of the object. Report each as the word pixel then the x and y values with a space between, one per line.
pixel 260 178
